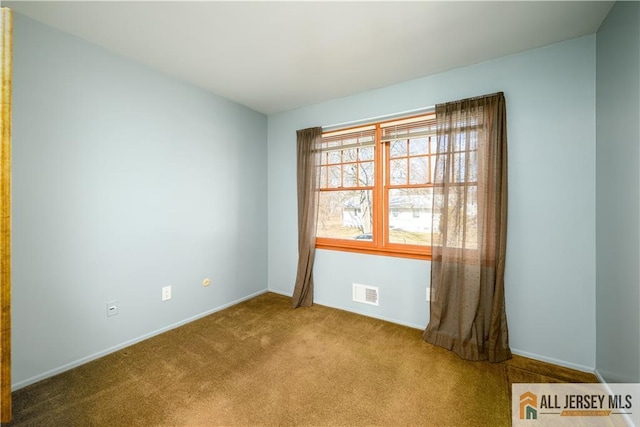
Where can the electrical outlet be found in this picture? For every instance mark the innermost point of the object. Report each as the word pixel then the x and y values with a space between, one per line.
pixel 206 282
pixel 428 294
pixel 112 308
pixel 166 293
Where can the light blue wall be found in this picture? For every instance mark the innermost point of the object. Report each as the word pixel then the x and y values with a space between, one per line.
pixel 124 181
pixel 618 194
pixel 550 272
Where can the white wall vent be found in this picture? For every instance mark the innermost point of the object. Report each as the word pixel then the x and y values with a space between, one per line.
pixel 365 294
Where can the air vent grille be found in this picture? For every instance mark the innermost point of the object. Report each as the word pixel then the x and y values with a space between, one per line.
pixel 365 294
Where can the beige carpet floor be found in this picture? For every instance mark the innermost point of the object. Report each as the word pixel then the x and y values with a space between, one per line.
pixel 263 363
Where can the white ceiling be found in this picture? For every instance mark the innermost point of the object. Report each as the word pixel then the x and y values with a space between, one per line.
pixel 276 56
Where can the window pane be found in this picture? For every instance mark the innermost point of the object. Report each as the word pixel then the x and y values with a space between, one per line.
pixel 418 167
pixel 333 157
pixel 432 172
pixel 323 158
pixel 433 142
pixel 438 170
pixel 459 167
pixel 459 141
pixel 465 141
pixel 462 222
pixel 410 216
pixel 349 155
pixel 366 153
pixel 398 172
pixel 465 167
pixel 366 174
pixel 473 166
pixel 399 148
pixel 350 178
pixel 345 214
pixel 418 146
pixel 473 141
pixel 323 177
pixel 335 180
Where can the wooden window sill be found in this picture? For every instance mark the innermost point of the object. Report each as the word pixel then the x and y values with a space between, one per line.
pixel 422 254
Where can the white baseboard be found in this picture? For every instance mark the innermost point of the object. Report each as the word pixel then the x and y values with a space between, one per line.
pixel 553 361
pixel 600 378
pixel 275 291
pixel 627 418
pixel 120 346
pixel 611 377
pixel 386 319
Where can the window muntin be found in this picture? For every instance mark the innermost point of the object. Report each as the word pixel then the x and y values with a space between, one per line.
pixel 345 214
pixel 377 187
pixel 408 193
pixel 410 220
pixel 347 178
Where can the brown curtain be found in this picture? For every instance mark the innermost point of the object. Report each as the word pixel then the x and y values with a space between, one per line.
pixel 469 230
pixel 6 48
pixel 307 154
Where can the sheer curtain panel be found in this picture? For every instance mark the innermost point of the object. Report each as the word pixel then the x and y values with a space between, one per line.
pixel 307 160
pixel 469 230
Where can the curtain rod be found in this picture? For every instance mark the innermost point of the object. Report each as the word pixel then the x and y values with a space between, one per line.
pixel 354 123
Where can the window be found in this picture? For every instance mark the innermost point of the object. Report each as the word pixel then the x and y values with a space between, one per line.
pixel 376 188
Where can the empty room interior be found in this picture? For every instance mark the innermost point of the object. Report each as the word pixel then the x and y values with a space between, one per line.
pixel 159 241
